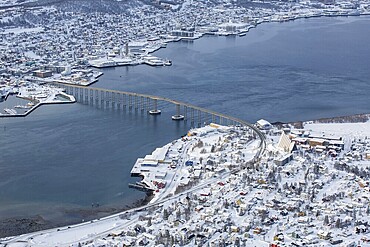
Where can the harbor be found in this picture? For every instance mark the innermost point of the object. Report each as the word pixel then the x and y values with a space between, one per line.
pixel 36 95
pixel 245 110
pixel 120 43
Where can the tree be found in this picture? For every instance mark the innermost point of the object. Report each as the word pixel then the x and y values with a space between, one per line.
pixel 326 220
pixel 165 214
pixel 338 223
pixel 149 221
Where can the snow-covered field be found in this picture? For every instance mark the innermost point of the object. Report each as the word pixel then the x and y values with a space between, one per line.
pixel 350 130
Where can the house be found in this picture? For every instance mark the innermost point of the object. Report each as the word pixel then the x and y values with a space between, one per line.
pixel 283 160
pixel 42 73
pixel 149 163
pixel 324 235
pixel 263 124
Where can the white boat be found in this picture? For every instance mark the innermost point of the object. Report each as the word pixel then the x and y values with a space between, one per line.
pixel 22 106
pixel 155 62
pixel 103 63
pixel 178 117
pixel 155 112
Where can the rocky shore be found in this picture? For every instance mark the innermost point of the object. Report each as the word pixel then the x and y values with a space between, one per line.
pixel 21 225
pixel 356 118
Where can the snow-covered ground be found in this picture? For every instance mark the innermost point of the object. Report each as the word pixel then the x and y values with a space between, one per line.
pixel 350 130
pixel 317 197
pixel 13 2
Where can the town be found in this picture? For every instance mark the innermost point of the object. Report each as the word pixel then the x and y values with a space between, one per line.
pixel 310 188
pixel 48 44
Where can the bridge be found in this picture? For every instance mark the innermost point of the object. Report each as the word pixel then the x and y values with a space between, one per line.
pixel 149 104
pixel 118 99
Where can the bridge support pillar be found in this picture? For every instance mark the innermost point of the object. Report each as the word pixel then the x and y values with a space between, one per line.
pixel 124 96
pixel 107 99
pixel 82 95
pixel 102 98
pixel 185 112
pixel 155 111
pixel 178 116
pixel 91 101
pixel 118 102
pixel 130 101
pixel 192 117
pixel 141 103
pixel 199 118
pixel 113 100
pixel 136 100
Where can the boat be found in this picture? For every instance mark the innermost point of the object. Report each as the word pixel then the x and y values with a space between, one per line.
pixel 178 117
pixel 155 62
pixel 168 63
pixel 155 112
pixel 10 111
pixel 103 63
pixel 22 106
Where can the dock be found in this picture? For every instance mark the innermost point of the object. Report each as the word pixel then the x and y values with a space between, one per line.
pixel 140 187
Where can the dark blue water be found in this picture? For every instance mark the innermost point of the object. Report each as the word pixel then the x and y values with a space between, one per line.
pixel 65 157
pixel 298 70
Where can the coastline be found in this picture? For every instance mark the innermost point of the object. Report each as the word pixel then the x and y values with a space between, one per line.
pixel 14 226
pixel 239 33
pixel 37 221
pixel 356 118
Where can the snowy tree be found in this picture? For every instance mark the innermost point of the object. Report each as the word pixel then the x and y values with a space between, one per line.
pixel 338 223
pixel 326 220
pixel 149 222
pixel 178 215
pixel 165 214
pixel 278 177
pixel 237 242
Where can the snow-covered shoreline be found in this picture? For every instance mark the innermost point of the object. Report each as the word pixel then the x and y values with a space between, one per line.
pixel 253 207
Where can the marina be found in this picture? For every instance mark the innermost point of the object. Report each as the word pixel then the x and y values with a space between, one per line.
pixel 37 95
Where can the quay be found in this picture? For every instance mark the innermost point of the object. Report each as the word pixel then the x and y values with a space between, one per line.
pixel 38 96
